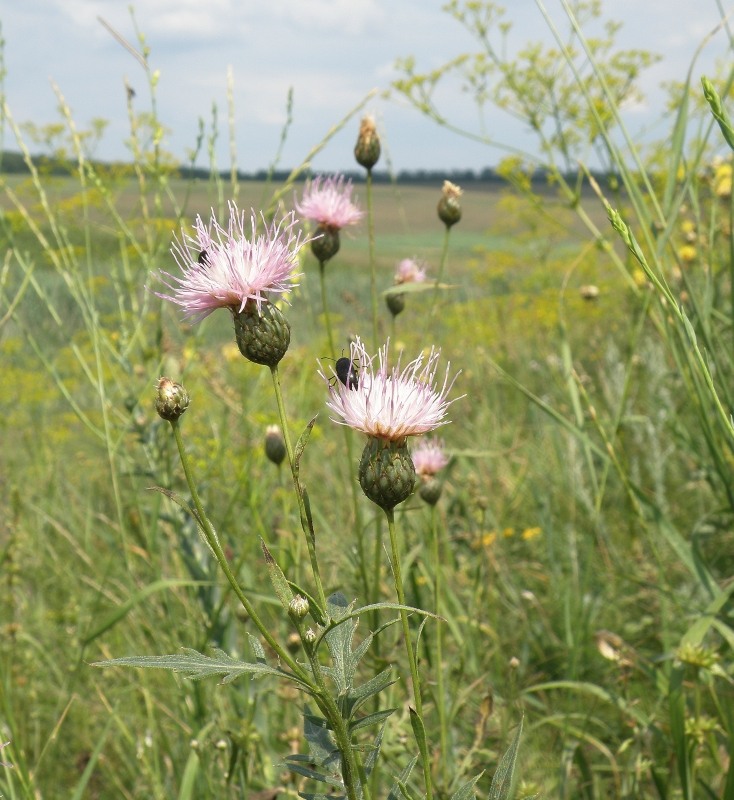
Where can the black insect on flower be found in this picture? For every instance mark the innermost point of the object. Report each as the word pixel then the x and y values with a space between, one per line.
pixel 348 372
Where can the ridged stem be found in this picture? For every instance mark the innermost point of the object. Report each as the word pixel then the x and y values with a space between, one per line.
pixel 415 677
pixel 373 260
pixel 440 692
pixel 441 270
pixel 310 539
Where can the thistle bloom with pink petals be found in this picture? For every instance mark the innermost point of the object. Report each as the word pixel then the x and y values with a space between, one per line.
pixel 327 201
pixel 224 269
pixel 429 457
pixel 391 403
pixel 410 271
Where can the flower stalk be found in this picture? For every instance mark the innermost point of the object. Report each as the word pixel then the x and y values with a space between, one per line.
pixel 305 525
pixel 410 651
pixel 213 541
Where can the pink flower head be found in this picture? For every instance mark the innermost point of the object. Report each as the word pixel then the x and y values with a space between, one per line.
pixel 327 201
pixel 390 403
pixel 410 271
pixel 224 269
pixel 429 457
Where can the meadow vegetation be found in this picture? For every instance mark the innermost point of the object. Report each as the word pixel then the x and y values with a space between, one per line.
pixel 581 548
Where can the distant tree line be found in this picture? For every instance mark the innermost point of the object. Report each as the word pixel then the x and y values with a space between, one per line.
pixel 12 162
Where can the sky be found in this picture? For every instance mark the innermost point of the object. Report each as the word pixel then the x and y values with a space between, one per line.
pixel 330 53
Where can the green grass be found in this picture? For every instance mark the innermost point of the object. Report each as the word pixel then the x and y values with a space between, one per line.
pixel 582 542
pixel 91 574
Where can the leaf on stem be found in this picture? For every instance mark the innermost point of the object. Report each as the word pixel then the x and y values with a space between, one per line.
pixel 277 578
pixel 502 780
pixel 301 444
pixel 198 666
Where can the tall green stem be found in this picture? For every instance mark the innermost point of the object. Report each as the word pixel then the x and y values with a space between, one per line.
pixel 415 677
pixel 305 523
pixel 348 443
pixel 441 270
pixel 440 692
pixel 325 308
pixel 213 542
pixel 351 772
pixel 373 264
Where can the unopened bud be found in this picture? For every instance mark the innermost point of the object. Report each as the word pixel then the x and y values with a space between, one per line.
pixel 430 490
pixel 274 445
pixel 449 206
pixel 367 149
pixel 171 399
pixel 396 303
pixel 309 639
pixel 326 243
pixel 298 607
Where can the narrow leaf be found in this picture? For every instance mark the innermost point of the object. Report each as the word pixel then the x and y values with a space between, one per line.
pixel 301 444
pixel 717 109
pixel 359 694
pixel 416 288
pixel 257 648
pixel 419 732
pixel 199 666
pixel 277 578
pixel 466 792
pixel 374 752
pixel 319 796
pixel 502 780
pixel 371 719
pixel 395 793
pixel 307 772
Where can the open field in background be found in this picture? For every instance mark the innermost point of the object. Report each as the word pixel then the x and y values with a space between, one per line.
pixel 559 603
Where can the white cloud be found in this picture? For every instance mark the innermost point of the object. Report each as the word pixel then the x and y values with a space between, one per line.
pixel 350 17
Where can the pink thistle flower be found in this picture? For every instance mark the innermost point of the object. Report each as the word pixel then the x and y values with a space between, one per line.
pixel 327 201
pixel 429 457
pixel 391 403
pixel 224 269
pixel 410 271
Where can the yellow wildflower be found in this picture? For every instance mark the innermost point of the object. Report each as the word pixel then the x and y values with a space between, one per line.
pixel 687 253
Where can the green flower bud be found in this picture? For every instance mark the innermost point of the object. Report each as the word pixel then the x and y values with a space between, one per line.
pixel 386 472
pixel 274 445
pixel 449 206
pixel 298 608
pixel 396 303
pixel 367 149
pixel 430 490
pixel 309 640
pixel 327 243
pixel 263 337
pixel 171 399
